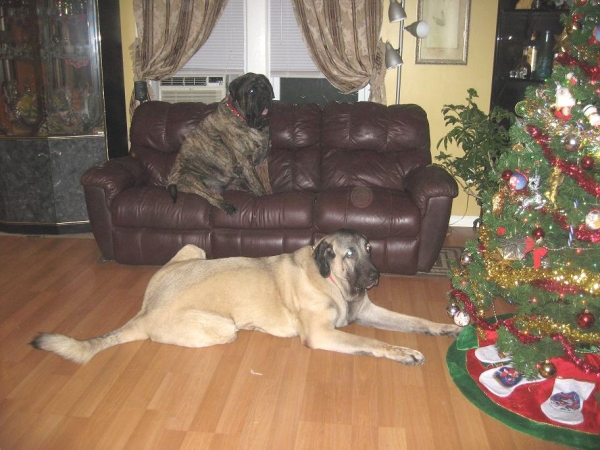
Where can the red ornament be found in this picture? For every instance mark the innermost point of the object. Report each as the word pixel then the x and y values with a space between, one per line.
pixel 506 174
pixel 538 233
pixel 581 3
pixel 586 319
pixel 587 162
pixel 533 131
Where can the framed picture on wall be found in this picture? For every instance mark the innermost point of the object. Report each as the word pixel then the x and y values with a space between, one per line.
pixel 447 42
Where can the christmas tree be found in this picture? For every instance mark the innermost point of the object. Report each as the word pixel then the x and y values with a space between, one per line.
pixel 538 248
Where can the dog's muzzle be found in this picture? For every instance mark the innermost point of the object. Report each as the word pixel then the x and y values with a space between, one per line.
pixel 372 279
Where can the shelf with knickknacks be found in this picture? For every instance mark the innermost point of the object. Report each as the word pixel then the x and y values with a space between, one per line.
pixel 47 52
pixel 526 35
pixel 52 109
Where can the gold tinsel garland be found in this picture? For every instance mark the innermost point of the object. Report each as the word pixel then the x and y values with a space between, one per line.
pixel 502 272
pixel 545 326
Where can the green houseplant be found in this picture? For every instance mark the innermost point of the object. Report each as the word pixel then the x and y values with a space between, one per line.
pixel 483 138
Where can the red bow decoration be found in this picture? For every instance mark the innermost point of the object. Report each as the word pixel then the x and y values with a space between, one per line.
pixel 538 253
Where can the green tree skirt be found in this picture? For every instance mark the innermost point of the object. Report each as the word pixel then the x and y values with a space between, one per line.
pixel 456 359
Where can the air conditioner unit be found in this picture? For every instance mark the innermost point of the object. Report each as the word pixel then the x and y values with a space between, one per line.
pixel 192 88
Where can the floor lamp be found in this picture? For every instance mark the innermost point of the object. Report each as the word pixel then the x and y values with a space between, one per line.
pixel 419 29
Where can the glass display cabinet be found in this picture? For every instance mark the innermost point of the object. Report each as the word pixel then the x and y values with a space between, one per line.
pixel 52 109
pixel 51 84
pixel 514 30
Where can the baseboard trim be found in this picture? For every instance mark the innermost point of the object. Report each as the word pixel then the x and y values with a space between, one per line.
pixel 462 221
pixel 50 229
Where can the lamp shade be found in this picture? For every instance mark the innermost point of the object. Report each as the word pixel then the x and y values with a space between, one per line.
pixel 392 57
pixel 419 29
pixel 396 12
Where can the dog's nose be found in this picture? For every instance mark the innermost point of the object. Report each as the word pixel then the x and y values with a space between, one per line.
pixel 373 278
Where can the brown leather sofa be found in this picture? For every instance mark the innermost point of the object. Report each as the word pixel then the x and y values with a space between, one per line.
pixel 363 166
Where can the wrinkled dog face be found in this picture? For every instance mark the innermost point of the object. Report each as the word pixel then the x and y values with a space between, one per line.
pixel 346 255
pixel 252 95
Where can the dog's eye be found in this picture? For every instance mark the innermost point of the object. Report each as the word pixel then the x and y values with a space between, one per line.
pixel 368 248
pixel 350 253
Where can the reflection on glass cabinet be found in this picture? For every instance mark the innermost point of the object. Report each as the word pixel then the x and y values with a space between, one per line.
pixel 50 71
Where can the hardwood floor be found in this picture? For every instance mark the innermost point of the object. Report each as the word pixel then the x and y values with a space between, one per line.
pixel 259 392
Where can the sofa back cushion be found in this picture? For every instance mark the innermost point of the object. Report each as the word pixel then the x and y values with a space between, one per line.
pixel 157 131
pixel 295 158
pixel 368 144
pixel 341 145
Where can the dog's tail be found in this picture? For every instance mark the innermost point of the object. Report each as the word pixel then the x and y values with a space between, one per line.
pixel 81 352
pixel 172 189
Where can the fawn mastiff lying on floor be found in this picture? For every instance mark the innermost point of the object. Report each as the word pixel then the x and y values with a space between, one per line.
pixel 195 302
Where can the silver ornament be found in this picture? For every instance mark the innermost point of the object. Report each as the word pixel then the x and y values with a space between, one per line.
pixel 452 309
pixel 572 142
pixel 462 318
pixel 466 258
pixel 592 219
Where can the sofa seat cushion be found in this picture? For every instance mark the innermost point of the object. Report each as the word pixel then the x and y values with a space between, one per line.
pixel 152 207
pixel 286 210
pixel 376 212
pixel 351 168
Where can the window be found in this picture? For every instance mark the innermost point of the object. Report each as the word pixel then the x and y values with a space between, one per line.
pixel 295 76
pixel 224 50
pixel 289 56
pixel 240 43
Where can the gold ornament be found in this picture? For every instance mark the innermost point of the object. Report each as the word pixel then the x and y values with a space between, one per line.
pixel 547 369
pixel 498 201
pixel 555 179
pixel 573 27
pixel 561 40
pixel 518 147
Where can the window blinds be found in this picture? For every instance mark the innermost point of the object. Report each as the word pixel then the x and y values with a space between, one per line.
pixel 224 51
pixel 288 53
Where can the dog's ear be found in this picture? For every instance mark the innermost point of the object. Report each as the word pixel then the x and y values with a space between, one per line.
pixel 268 84
pixel 233 87
pixel 323 255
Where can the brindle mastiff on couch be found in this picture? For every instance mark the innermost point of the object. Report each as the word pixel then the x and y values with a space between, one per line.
pixel 229 147
pixel 195 302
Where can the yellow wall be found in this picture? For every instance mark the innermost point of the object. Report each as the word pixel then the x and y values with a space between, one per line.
pixel 428 85
pixel 127 37
pixel 433 85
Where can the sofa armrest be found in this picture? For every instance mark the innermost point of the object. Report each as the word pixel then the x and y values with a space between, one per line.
pixel 424 183
pixel 432 189
pixel 114 176
pixel 101 184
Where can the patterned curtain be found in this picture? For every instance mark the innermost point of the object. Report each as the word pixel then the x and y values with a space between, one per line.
pixel 343 39
pixel 170 32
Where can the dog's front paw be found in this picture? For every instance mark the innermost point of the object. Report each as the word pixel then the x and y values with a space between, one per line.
pixel 413 358
pixel 406 356
pixel 228 208
pixel 172 190
pixel 450 330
